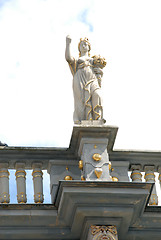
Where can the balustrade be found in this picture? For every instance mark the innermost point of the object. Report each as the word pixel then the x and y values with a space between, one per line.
pixel 20 178
pixel 137 172
pixel 63 164
pixel 137 175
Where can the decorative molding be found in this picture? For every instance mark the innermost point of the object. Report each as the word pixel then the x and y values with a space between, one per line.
pixel 103 232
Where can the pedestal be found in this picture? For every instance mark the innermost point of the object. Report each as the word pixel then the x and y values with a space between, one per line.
pixel 91 141
pixel 87 156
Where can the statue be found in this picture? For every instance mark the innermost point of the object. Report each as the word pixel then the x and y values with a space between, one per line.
pixel 3 144
pixel 87 74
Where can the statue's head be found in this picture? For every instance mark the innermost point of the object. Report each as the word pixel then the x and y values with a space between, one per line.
pixel 82 41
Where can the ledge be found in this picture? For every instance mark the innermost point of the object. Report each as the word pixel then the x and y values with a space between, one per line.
pixel 81 204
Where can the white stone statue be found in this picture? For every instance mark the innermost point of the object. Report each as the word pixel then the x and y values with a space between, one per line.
pixel 87 73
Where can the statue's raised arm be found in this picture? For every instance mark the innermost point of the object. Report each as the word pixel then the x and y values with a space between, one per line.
pixel 68 56
pixel 87 73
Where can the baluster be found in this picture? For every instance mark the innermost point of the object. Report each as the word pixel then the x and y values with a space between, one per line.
pixel 21 182
pixel 136 175
pixel 38 182
pixel 4 183
pixel 150 178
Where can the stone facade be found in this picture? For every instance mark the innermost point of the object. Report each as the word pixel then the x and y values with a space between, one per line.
pixel 92 195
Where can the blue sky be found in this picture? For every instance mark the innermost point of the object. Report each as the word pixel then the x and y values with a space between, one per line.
pixel 83 18
pixel 36 83
pixel 33 69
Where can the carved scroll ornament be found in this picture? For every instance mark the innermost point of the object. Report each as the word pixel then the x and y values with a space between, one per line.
pixel 104 232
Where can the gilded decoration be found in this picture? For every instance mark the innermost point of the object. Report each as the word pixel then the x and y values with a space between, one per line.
pixel 82 178
pixel 104 232
pixel 96 157
pixel 98 172
pixel 110 166
pixel 68 178
pixel 114 179
pixel 81 164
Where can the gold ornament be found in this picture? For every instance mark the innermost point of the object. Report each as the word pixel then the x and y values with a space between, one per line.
pixel 110 166
pixel 96 157
pixel 81 164
pixel 68 178
pixel 98 172
pixel 82 178
pixel 115 179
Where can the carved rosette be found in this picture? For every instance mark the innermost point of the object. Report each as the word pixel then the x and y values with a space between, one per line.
pixel 104 232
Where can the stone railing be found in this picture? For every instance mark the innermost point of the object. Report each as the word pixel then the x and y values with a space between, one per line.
pixel 144 167
pixel 23 159
pixel 90 157
pixel 20 178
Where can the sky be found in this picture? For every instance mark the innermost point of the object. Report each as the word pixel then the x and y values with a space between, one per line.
pixel 36 83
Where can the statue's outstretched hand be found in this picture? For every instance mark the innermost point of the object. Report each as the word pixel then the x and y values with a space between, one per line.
pixel 68 39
